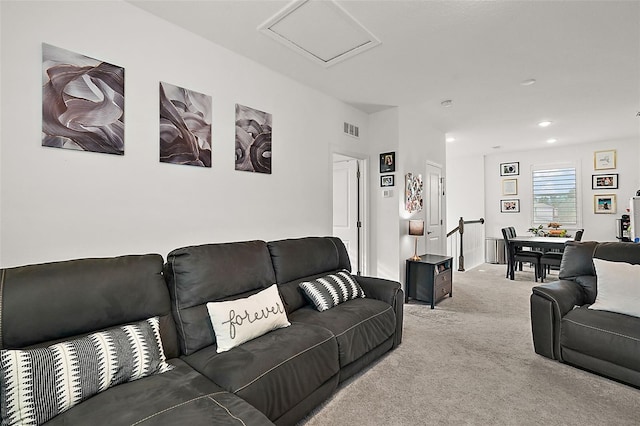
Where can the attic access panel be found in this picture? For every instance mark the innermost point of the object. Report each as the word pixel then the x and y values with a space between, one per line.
pixel 319 30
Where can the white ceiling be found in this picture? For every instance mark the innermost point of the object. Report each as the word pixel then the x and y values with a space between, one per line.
pixel 585 56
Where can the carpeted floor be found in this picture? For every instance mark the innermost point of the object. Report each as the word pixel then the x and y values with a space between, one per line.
pixel 470 361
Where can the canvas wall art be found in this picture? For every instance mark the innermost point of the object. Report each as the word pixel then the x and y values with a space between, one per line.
pixel 82 102
pixel 413 193
pixel 185 126
pixel 253 140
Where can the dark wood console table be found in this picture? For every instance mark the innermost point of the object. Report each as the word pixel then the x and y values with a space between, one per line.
pixel 429 279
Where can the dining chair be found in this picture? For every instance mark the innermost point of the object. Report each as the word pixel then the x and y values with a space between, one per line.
pixel 554 259
pixel 517 256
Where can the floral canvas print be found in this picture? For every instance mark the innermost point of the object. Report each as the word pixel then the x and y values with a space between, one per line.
pixel 185 126
pixel 253 140
pixel 82 102
pixel 413 193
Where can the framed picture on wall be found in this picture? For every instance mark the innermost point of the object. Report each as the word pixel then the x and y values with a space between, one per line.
pixel 387 180
pixel 509 186
pixel 604 203
pixel 603 160
pixel 510 206
pixel 387 162
pixel 510 169
pixel 609 181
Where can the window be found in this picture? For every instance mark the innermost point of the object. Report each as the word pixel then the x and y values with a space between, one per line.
pixel 554 195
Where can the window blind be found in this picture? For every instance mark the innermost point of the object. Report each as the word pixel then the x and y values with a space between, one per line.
pixel 554 196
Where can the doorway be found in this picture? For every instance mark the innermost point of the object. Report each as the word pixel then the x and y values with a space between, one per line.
pixel 435 227
pixel 349 207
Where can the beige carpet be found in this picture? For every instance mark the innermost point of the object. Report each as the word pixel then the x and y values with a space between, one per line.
pixel 470 361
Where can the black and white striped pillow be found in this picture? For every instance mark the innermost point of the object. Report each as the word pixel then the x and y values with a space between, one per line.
pixel 331 290
pixel 38 384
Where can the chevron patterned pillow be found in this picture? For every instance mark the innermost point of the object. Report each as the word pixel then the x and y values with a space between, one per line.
pixel 38 384
pixel 331 290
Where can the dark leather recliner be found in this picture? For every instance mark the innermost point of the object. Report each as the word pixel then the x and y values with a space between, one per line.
pixel 43 304
pixel 563 327
pixel 272 372
pixel 276 378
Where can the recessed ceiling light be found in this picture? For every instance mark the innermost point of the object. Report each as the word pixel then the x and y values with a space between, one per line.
pixel 552 140
pixel 544 123
pixel 446 103
pixel 528 82
pixel 450 139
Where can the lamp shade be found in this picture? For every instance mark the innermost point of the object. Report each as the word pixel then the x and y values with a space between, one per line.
pixel 416 227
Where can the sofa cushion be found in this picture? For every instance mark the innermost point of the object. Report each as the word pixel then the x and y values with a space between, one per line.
pixel 603 335
pixel 238 321
pixel 179 396
pixel 305 259
pixel 208 273
pixel 276 371
pixel 618 287
pixel 331 290
pixel 302 257
pixel 359 325
pixel 618 252
pixel 40 383
pixel 589 287
pixel 576 259
pixel 45 303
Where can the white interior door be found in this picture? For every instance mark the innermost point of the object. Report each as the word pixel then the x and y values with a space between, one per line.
pixel 345 206
pixel 436 241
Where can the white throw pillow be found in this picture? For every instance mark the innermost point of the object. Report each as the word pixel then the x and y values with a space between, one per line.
pixel 618 287
pixel 237 321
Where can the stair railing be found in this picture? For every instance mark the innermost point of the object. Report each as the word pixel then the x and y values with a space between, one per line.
pixel 460 230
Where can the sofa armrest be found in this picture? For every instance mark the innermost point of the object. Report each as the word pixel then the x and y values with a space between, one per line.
pixel 387 291
pixel 549 303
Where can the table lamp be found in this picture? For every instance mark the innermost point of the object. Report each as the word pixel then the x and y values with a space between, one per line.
pixel 416 228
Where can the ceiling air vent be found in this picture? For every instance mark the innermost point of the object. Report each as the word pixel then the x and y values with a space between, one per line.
pixel 319 30
pixel 351 130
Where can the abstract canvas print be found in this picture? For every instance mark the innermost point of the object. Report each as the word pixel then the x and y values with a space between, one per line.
pixel 82 102
pixel 253 140
pixel 185 126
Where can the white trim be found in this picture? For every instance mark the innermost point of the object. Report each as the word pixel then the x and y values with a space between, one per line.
pixel 364 162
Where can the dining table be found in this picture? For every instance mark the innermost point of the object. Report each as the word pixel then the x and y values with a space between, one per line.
pixel 544 243
pixel 535 242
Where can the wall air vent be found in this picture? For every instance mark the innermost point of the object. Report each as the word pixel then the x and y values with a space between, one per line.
pixel 351 130
pixel 319 30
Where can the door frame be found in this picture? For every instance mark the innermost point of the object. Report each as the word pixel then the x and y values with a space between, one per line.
pixel 443 204
pixel 363 163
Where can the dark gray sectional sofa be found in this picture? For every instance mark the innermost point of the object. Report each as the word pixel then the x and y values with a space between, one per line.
pixel 276 378
pixel 564 329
